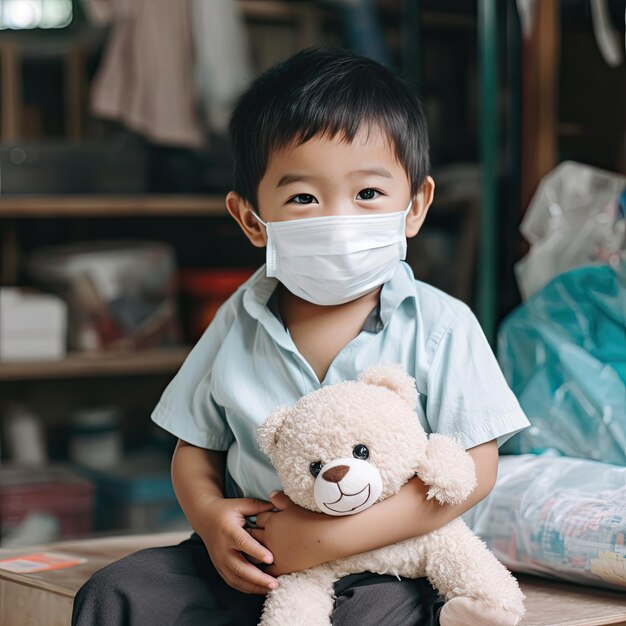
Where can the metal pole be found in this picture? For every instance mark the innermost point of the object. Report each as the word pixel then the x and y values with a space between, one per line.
pixel 488 77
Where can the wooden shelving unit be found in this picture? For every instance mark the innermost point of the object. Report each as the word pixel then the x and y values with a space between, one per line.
pixel 84 365
pixel 14 208
pixel 303 16
pixel 152 361
pixel 110 206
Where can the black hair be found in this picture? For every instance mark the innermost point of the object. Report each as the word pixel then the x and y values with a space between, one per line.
pixel 325 91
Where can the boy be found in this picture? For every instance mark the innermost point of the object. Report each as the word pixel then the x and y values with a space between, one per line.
pixel 331 176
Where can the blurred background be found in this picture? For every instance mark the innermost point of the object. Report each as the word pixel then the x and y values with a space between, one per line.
pixel 116 249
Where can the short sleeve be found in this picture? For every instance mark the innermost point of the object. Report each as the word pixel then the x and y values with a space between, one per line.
pixel 467 394
pixel 187 408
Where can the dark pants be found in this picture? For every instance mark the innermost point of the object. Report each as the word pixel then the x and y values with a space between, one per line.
pixel 178 585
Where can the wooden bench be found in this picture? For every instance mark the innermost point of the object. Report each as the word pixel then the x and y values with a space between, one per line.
pixel 46 597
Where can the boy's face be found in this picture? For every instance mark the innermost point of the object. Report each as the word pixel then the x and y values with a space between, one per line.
pixel 324 177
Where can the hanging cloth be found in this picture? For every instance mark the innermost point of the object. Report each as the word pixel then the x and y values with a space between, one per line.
pixel 222 66
pixel 145 79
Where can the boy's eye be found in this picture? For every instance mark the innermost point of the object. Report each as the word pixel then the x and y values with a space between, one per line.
pixel 303 198
pixel 367 194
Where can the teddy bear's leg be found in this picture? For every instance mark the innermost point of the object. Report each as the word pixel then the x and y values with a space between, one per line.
pixel 479 589
pixel 301 599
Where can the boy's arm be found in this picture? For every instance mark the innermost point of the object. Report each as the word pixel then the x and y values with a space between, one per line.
pixel 300 539
pixel 198 478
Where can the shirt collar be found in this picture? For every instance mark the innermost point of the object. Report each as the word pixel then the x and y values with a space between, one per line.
pixel 396 291
pixel 260 289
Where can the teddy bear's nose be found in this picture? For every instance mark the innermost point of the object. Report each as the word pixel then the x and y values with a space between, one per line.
pixel 335 474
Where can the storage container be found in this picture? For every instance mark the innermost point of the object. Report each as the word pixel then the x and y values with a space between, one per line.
pixel 54 490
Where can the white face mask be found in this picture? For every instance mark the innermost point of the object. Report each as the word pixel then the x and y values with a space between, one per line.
pixel 335 259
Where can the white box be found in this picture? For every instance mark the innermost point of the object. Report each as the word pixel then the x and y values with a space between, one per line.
pixel 32 325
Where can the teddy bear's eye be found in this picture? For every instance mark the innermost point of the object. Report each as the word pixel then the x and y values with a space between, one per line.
pixel 315 468
pixel 360 452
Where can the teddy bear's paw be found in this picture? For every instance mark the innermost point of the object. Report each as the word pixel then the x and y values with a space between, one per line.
pixel 467 612
pixel 439 494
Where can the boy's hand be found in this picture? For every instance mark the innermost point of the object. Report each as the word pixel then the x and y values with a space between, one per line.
pixel 295 535
pixel 227 542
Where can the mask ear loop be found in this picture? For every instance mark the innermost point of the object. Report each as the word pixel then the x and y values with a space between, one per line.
pixel 405 214
pixel 258 219
pixel 270 259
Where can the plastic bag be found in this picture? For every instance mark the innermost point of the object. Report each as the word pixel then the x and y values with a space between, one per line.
pixel 563 352
pixel 573 219
pixel 557 517
pixel 120 294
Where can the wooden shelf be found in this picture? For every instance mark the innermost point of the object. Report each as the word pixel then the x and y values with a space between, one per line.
pixel 110 206
pixel 153 361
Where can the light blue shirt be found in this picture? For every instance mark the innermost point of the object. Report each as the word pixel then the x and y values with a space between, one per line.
pixel 246 365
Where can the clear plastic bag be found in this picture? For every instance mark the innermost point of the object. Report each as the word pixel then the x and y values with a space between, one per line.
pixel 573 219
pixel 557 517
pixel 563 352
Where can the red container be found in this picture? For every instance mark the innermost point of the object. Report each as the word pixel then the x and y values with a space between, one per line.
pixel 205 291
pixel 55 490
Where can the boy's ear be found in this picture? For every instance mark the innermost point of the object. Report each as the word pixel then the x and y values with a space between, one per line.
pixel 421 203
pixel 241 210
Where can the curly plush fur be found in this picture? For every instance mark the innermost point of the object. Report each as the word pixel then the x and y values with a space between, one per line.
pixel 326 427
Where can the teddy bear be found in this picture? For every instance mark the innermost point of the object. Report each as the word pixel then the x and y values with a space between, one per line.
pixel 346 446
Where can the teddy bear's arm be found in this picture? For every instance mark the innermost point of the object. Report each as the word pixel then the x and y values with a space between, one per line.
pixel 448 470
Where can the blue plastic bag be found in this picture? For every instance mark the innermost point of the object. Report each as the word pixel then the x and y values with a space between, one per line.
pixel 563 353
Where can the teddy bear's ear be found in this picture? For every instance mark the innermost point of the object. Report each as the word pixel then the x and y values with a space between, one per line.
pixel 268 431
pixel 394 378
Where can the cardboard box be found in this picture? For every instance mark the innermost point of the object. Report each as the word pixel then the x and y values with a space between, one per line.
pixel 46 597
pixel 32 325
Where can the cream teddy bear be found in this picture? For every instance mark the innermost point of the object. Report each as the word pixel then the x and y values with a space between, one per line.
pixel 346 446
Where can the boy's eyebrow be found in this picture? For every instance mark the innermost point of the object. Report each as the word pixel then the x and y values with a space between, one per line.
pixel 296 178
pixel 376 171
pixel 293 178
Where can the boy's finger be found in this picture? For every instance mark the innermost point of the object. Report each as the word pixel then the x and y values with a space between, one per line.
pixel 252 560
pixel 240 568
pixel 262 518
pixel 279 500
pixel 244 586
pixel 243 542
pixel 258 534
pixel 252 506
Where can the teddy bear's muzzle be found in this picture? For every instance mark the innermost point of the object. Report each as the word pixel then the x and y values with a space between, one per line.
pixel 347 486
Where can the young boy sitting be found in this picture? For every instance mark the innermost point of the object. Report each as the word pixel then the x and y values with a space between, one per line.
pixel 331 176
